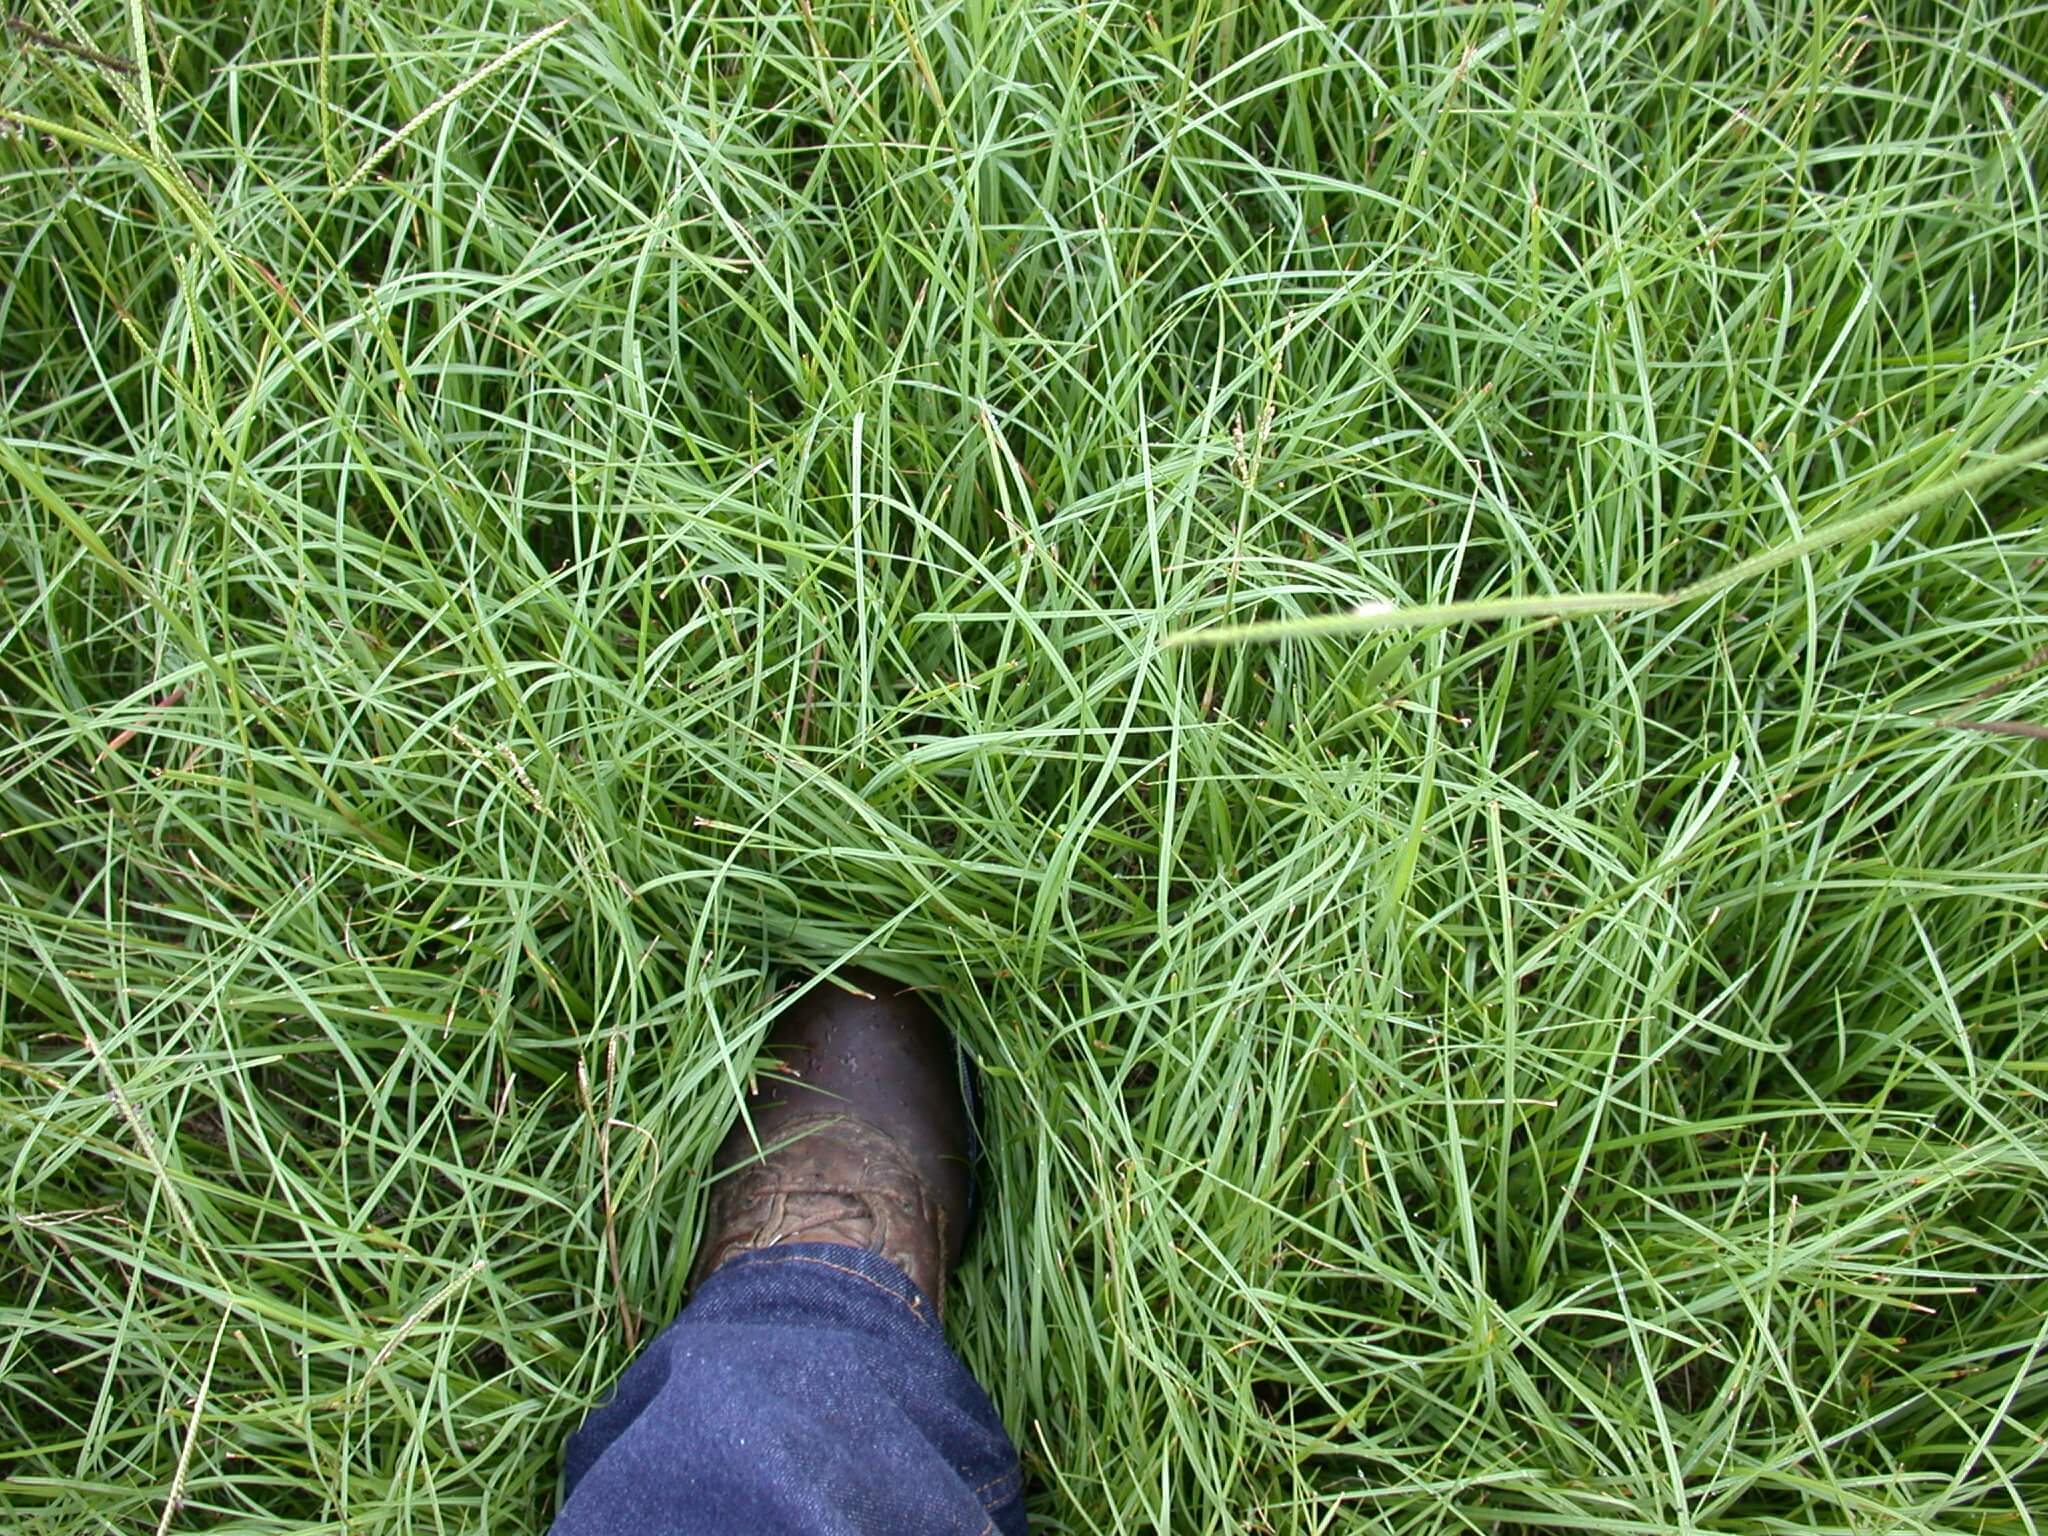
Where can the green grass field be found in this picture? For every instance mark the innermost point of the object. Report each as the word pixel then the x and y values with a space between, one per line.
pixel 525 527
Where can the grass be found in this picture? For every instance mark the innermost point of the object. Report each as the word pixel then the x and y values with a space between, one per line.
pixel 526 526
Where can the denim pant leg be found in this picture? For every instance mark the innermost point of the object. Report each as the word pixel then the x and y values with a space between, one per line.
pixel 807 1390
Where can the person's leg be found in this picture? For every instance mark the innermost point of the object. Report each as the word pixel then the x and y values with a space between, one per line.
pixel 807 1388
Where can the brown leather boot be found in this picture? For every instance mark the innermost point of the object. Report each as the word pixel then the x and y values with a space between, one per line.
pixel 862 1137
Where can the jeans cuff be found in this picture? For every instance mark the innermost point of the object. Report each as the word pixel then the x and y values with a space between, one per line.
pixel 783 1275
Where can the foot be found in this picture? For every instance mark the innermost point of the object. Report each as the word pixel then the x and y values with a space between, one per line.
pixel 858 1136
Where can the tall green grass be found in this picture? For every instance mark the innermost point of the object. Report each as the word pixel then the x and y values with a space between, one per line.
pixel 527 527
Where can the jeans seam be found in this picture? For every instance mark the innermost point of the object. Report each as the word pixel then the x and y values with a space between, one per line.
pixel 1014 1475
pixel 912 1307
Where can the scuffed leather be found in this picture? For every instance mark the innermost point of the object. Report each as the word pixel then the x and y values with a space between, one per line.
pixel 830 1178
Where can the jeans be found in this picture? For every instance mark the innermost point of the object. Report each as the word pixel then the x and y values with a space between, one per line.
pixel 806 1389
